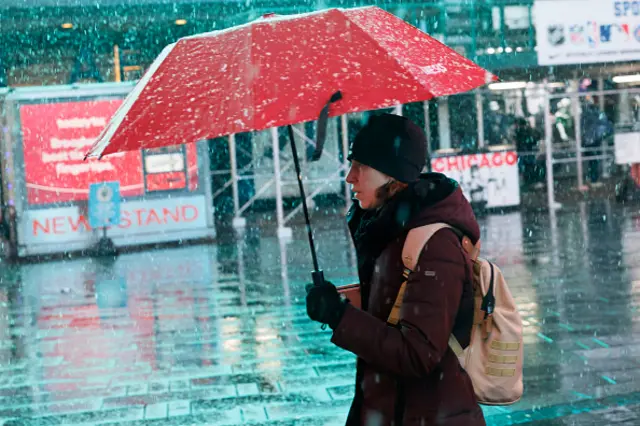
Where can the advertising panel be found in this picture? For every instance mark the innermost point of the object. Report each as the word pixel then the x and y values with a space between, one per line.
pixel 488 180
pixel 587 31
pixel 165 169
pixel 56 137
pixel 5 4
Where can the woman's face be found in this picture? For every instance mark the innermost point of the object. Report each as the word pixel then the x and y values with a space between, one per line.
pixel 365 182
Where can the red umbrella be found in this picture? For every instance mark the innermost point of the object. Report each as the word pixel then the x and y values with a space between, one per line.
pixel 282 70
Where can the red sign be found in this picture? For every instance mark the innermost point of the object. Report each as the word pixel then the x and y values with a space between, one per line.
pixel 165 168
pixel 465 162
pixel 166 181
pixel 55 138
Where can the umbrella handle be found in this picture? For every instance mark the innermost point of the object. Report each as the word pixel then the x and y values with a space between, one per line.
pixel 321 129
pixel 318 277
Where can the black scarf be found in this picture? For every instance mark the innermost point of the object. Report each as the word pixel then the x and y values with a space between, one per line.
pixel 373 230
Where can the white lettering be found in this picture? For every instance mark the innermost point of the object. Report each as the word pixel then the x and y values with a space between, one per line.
pixel 54 157
pixel 78 169
pixel 71 143
pixel 81 123
pixel 60 156
pixel 76 155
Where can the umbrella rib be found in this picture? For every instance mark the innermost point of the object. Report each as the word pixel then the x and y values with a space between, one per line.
pixel 393 58
pixel 118 119
pixel 150 74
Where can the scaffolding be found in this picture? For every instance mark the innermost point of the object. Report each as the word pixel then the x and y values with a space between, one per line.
pixel 320 179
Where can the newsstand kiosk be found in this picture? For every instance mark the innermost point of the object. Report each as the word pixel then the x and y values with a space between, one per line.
pixel 165 192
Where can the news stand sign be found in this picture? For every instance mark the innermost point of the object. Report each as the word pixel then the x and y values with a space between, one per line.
pixel 587 31
pixel 488 180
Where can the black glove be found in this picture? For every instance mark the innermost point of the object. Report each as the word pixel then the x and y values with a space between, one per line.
pixel 324 304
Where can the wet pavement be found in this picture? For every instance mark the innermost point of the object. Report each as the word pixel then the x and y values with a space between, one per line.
pixel 218 334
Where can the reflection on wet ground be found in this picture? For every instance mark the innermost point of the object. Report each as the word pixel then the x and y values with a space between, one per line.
pixel 218 334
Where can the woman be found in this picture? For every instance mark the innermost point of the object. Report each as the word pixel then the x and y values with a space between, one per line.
pixel 406 374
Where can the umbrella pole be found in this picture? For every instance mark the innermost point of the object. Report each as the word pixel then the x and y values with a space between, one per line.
pixel 318 276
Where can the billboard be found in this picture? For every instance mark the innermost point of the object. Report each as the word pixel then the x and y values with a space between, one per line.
pixel 56 137
pixel 587 31
pixel 489 180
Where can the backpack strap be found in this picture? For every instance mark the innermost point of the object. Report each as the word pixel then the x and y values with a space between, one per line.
pixel 419 237
pixel 415 242
pixel 416 239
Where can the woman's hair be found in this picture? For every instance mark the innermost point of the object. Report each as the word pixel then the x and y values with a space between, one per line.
pixel 390 189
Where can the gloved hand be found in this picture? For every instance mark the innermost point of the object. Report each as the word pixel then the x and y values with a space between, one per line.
pixel 324 304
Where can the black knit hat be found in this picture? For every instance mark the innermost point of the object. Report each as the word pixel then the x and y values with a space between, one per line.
pixel 393 145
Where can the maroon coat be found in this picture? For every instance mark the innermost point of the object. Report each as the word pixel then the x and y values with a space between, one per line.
pixel 407 374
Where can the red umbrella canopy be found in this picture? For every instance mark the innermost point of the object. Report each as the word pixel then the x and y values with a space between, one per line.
pixel 282 70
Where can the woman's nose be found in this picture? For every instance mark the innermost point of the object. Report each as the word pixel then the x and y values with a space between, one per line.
pixel 350 177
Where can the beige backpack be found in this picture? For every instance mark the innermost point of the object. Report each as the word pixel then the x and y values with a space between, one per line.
pixel 493 358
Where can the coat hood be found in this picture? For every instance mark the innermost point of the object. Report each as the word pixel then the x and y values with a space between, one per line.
pixel 437 198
